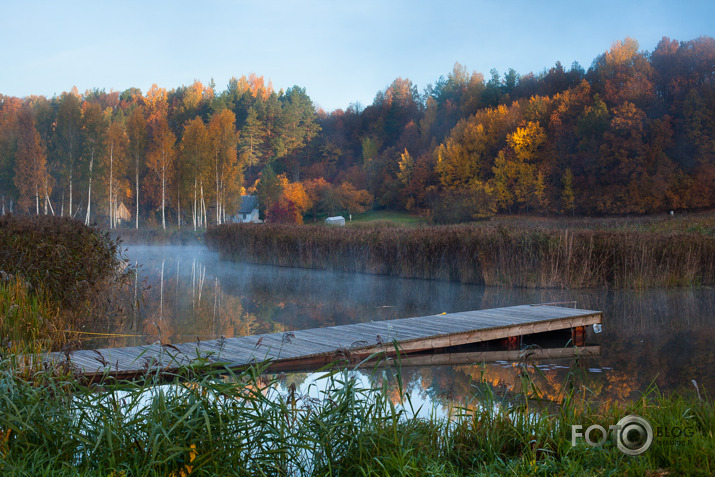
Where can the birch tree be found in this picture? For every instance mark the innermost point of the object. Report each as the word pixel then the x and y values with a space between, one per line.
pixel 194 157
pixel 68 137
pixel 224 140
pixel 94 129
pixel 160 160
pixel 116 144
pixel 136 133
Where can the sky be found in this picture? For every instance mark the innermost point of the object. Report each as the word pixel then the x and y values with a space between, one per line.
pixel 341 51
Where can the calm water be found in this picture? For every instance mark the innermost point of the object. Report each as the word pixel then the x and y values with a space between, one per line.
pixel 657 336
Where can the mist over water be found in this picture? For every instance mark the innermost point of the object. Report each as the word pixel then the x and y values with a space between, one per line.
pixel 663 336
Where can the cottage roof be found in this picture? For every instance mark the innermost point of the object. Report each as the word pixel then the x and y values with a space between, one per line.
pixel 248 203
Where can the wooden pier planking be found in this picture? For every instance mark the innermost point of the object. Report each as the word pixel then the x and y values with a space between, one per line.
pixel 302 349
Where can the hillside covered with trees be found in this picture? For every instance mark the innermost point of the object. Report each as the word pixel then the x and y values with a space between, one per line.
pixel 633 134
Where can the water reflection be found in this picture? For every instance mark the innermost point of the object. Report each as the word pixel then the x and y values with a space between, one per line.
pixel 661 336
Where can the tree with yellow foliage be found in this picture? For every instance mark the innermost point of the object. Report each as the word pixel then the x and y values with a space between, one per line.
pixel 459 158
pixel 503 173
pixel 192 168
pixel 161 161
pixel 526 140
pixel 228 175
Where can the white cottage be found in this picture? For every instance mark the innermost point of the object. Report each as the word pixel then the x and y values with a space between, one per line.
pixel 248 211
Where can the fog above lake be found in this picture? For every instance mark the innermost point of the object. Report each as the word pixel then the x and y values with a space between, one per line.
pixel 662 335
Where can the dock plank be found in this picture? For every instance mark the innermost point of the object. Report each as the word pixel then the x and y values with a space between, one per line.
pixel 288 350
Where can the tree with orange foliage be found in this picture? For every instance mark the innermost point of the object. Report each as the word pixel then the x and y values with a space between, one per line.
pixel 31 176
pixel 626 74
pixel 295 193
pixel 354 201
pixel 155 102
pixel 9 108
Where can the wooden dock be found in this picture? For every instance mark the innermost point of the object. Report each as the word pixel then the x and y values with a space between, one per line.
pixel 313 348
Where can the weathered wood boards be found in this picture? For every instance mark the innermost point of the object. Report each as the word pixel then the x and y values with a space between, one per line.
pixel 318 346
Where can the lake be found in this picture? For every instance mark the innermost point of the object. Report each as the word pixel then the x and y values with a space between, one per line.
pixel 660 336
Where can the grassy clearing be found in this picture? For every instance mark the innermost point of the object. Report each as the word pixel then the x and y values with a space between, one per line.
pixel 522 255
pixel 51 423
pixel 386 218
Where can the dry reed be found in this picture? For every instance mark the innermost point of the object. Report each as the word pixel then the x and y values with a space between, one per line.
pixel 482 254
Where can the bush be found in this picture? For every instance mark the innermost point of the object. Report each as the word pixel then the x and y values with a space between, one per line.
pixel 72 268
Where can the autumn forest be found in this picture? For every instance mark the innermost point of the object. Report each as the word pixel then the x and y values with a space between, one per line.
pixel 633 134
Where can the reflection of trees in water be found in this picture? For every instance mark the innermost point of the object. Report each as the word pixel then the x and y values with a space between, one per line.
pixel 186 308
pixel 460 385
pixel 664 335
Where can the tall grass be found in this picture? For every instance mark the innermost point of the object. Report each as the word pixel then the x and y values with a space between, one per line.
pixel 51 423
pixel 26 316
pixel 483 254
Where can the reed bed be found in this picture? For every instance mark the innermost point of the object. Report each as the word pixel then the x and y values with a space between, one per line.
pixel 493 255
pixel 226 423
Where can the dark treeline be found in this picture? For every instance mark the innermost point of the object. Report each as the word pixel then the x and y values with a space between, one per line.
pixel 635 133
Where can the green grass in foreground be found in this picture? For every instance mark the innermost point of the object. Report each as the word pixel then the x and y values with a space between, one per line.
pixel 51 423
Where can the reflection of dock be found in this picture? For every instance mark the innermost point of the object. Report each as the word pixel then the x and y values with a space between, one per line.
pixel 313 348
pixel 454 359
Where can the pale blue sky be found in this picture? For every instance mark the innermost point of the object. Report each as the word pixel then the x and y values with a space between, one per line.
pixel 340 51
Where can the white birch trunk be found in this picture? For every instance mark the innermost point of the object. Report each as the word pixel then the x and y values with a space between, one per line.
pixel 178 204
pixel 111 178
pixel 203 207
pixel 70 209
pixel 89 189
pixel 218 197
pixel 193 214
pixel 136 177
pixel 48 202
pixel 163 191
